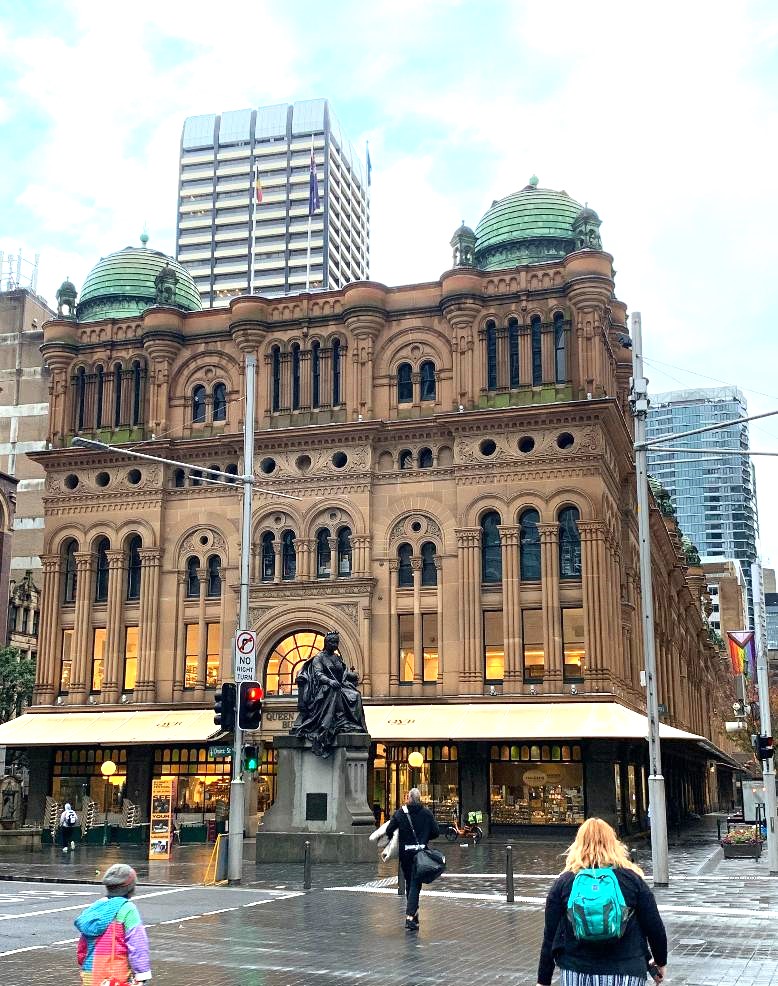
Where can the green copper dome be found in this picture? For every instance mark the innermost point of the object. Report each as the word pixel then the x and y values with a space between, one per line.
pixel 533 225
pixel 126 283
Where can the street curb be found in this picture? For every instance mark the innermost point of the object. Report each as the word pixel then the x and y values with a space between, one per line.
pixel 18 878
pixel 710 863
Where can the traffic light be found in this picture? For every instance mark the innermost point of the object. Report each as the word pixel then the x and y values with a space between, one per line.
pixel 250 758
pixel 250 705
pixel 765 747
pixel 224 706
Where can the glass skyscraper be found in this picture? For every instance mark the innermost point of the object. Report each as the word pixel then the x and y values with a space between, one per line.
pixel 714 496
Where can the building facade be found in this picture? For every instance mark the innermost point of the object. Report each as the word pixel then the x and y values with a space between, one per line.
pixel 447 478
pixel 234 244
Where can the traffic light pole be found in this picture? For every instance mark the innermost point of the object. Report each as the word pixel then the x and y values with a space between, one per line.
pixel 237 806
pixel 765 728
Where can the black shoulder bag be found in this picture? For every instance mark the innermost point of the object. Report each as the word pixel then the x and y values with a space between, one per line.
pixel 428 863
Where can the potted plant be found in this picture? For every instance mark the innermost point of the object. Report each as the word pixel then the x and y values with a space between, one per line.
pixel 742 843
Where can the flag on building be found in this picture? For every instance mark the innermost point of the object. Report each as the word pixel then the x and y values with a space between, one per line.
pixel 314 201
pixel 257 187
pixel 369 165
pixel 742 651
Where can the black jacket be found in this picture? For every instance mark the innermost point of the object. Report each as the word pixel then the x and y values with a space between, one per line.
pixel 626 956
pixel 423 822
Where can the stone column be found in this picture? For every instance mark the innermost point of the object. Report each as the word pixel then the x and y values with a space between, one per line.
pixel 114 620
pixel 552 615
pixel 179 658
pixel 277 546
pixel 394 649
pixel 333 543
pixel 303 548
pixel 79 686
pixel 202 649
pixel 146 685
pixel 468 550
pixel 511 604
pixel 525 356
pixel 46 684
pixel 439 603
pixel 418 651
pixel 361 547
pixel 592 551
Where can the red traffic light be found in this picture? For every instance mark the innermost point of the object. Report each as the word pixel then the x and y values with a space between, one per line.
pixel 250 705
pixel 254 693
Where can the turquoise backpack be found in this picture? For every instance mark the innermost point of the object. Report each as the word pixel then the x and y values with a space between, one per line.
pixel 596 906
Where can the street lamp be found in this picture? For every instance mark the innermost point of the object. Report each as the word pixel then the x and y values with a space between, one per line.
pixel 415 761
pixel 107 769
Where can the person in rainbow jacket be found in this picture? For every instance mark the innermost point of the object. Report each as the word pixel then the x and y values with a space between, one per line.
pixel 113 943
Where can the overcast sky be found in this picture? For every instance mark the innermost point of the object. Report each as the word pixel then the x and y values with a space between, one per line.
pixel 661 116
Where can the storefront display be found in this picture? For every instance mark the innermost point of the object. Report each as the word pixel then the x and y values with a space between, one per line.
pixel 76 774
pixel 536 785
pixel 437 778
pixel 203 785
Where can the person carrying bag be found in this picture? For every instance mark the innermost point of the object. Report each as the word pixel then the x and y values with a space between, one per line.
pixel 417 827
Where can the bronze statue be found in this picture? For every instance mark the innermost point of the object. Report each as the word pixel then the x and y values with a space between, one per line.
pixel 328 700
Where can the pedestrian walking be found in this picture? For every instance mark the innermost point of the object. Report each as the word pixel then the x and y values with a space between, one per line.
pixel 113 945
pixel 602 924
pixel 417 827
pixel 68 821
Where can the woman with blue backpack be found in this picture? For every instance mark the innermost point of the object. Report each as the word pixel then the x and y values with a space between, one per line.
pixel 602 924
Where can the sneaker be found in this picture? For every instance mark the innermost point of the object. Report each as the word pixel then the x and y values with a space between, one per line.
pixel 72 845
pixel 412 924
pixel 65 849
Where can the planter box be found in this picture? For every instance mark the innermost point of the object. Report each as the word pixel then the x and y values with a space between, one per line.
pixel 735 851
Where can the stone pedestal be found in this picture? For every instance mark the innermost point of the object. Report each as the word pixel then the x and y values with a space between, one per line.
pixel 323 802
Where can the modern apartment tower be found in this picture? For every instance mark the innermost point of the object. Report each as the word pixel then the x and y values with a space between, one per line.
pixel 222 228
pixel 714 496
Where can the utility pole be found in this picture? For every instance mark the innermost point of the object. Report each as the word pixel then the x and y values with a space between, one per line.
pixel 656 782
pixel 237 806
pixel 765 725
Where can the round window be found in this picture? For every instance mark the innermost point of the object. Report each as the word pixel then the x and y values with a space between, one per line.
pixel 267 465
pixel 133 476
pixel 102 479
pixel 487 447
pixel 565 440
pixel 526 444
pixel 339 460
pixel 303 463
pixel 71 481
pixel 416 527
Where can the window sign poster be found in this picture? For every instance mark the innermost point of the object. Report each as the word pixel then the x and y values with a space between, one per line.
pixel 161 827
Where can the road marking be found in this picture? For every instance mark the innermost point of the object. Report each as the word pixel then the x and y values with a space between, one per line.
pixel 16 951
pixel 80 907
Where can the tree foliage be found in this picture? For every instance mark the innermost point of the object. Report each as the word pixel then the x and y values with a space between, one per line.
pixel 17 677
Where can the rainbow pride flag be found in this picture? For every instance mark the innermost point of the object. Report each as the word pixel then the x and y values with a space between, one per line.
pixel 742 651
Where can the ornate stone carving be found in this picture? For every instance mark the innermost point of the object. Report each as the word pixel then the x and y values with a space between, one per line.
pixel 403 529
pixel 350 610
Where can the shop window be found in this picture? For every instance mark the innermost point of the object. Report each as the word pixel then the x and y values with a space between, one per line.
pixel 336 388
pixel 198 404
pixel 344 552
pixel 576 753
pixel 407 655
pixel 534 752
pixel 494 753
pixel 491 356
pixel 491 558
pixel 532 642
pixel 133 568
pixel 287 658
pixel 315 374
pixel 131 637
pixel 515 755
pixel 556 753
pixel 429 646
pixel 619 800
pixel 569 544
pixel 529 794
pixel 566 753
pixel 425 458
pixel 529 546
pixel 268 557
pixel 505 753
pixel 66 661
pixel 632 796
pixel 296 376
pixel 525 752
pixel 560 355
pixel 192 654
pixel 288 556
pixel 573 647
pixel 101 573
pixel 275 373
pixel 536 330
pixel 404 567
pixel 404 384
pixel 266 778
pixel 212 654
pixel 214 589
pixel 69 572
pixel 513 350
pixel 494 650
pixel 220 402
pixel 192 578
pixel 98 658
pixel 429 570
pixel 323 553
pixel 427 380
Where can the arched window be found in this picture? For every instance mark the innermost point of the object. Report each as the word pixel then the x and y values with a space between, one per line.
pixel 196 477
pixel 288 556
pixel 214 587
pixel 536 330
pixel 198 404
pixel 117 395
pixel 425 458
pixel 323 553
pixel 99 402
pixel 137 392
pixel 268 557
pixel 295 376
pixel 404 384
pixel 220 402
pixel 287 658
pixel 427 380
pixel 404 567
pixel 405 459
pixel 569 544
pixel 133 567
pixel 315 373
pixel 192 578
pixel 560 360
pixel 232 469
pixel 69 573
pixel 491 558
pixel 80 397
pixel 276 377
pixel 101 573
pixel 335 372
pixel 344 552
pixel 491 356
pixel 513 351
pixel 529 545
pixel 429 571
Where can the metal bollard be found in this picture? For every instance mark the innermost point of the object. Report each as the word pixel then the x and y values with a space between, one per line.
pixel 400 881
pixel 509 874
pixel 307 866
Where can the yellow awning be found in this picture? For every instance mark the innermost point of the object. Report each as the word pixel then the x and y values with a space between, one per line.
pixel 514 720
pixel 108 728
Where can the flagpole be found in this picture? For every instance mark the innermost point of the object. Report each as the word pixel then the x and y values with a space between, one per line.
pixel 253 226
pixel 308 257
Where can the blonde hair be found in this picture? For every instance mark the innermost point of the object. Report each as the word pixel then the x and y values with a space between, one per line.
pixel 596 844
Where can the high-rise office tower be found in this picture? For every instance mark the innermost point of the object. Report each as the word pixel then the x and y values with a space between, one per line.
pixel 714 496
pixel 224 220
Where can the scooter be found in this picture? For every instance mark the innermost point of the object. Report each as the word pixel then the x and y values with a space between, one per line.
pixel 466 831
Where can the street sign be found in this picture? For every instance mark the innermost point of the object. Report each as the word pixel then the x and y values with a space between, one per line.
pixel 219 750
pixel 245 655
